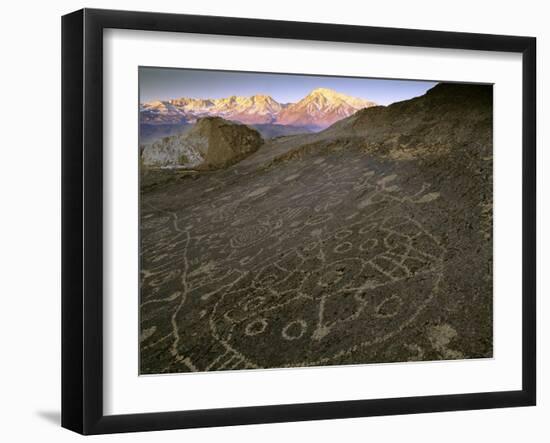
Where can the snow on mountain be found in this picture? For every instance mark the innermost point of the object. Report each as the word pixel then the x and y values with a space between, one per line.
pixel 257 109
pixel 319 109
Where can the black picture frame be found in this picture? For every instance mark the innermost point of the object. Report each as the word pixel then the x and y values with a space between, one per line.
pixel 82 218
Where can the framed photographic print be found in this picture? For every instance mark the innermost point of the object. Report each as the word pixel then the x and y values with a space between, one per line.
pixel 270 221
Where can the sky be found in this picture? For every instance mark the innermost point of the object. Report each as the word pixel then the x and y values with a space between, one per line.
pixel 167 83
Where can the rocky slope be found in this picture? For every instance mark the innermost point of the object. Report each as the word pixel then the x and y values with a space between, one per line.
pixel 211 143
pixel 447 116
pixel 269 131
pixel 449 120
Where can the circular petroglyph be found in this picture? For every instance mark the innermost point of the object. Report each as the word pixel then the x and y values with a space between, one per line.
pixel 254 303
pixel 255 327
pixel 389 307
pixel 368 228
pixel 249 235
pixel 342 234
pixel 309 276
pixel 342 248
pixel 294 330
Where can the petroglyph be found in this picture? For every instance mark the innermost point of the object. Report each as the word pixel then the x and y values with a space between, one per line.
pixel 311 262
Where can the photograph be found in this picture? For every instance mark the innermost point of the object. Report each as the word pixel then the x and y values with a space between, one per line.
pixel 275 222
pixel 291 220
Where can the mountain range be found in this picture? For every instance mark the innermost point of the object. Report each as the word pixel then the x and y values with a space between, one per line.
pixel 318 110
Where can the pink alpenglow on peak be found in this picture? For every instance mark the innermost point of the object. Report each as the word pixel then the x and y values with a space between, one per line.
pixel 322 107
pixel 318 110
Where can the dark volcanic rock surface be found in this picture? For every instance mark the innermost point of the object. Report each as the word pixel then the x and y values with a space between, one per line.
pixel 369 242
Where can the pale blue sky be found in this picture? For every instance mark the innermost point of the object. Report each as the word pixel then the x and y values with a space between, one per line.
pixel 166 83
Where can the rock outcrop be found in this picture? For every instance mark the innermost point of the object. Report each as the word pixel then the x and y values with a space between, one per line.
pixel 212 143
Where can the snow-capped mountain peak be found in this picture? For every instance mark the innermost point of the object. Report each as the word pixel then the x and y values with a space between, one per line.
pixel 322 107
pixel 319 109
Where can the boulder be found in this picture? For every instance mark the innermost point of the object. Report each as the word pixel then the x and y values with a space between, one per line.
pixel 212 143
